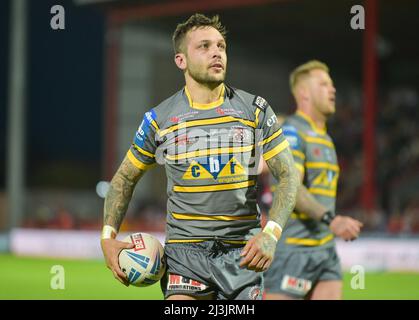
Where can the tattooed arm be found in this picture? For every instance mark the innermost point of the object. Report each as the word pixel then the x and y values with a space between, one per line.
pixel 259 250
pixel 120 193
pixel 283 169
pixel 116 204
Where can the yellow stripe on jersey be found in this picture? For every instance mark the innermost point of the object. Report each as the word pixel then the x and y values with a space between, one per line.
pixel 191 216
pixel 300 215
pixel 271 153
pixel 154 124
pixel 309 242
pixel 318 140
pixel 144 152
pixel 215 187
pixel 205 106
pixel 322 165
pixel 298 154
pixel 300 167
pixel 257 116
pixel 208 152
pixel 323 192
pixel 322 131
pixel 137 162
pixel 273 136
pixel 203 122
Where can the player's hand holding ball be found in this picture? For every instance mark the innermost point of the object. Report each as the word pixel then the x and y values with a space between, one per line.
pixel 111 249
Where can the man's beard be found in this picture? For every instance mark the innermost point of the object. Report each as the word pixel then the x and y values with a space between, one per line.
pixel 206 79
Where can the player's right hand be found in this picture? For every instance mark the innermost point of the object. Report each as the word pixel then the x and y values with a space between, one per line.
pixel 258 253
pixel 345 227
pixel 111 249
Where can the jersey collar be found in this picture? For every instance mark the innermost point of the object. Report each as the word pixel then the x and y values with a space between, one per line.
pixel 315 128
pixel 205 106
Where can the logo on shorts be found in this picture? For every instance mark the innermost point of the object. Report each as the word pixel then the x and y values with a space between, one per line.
pixel 254 293
pixel 177 282
pixel 296 285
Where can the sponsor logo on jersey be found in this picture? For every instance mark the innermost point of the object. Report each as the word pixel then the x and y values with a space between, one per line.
pixel 144 128
pixel 260 103
pixel 180 117
pixel 220 111
pixel 317 152
pixel 291 134
pixel 228 111
pixel 137 240
pixel 295 285
pixel 215 167
pixel 272 120
pixel 177 282
pixel 184 140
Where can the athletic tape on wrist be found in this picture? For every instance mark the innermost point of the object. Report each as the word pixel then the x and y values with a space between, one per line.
pixel 273 229
pixel 108 232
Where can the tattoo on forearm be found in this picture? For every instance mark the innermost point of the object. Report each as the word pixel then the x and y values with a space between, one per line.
pixel 284 197
pixel 120 193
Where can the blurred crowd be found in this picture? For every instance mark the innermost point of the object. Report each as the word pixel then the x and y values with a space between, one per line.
pixel 397 175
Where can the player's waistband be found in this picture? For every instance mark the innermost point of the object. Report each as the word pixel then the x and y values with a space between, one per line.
pixel 201 240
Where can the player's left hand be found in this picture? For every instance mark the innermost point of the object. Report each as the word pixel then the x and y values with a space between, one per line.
pixel 258 253
pixel 345 227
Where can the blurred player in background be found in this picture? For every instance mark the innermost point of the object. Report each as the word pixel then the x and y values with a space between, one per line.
pixel 306 264
pixel 215 248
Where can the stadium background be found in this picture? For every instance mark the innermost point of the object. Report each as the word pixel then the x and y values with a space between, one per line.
pixel 87 86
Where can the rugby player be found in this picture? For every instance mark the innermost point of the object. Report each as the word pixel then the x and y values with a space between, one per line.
pixel 306 265
pixel 208 136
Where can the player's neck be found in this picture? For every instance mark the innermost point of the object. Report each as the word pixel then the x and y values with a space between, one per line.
pixel 315 118
pixel 203 94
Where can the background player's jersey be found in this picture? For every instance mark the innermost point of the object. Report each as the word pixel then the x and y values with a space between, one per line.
pixel 210 152
pixel 315 157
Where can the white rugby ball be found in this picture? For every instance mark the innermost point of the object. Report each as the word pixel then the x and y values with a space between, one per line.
pixel 144 264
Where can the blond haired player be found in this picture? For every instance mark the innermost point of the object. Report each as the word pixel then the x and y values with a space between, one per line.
pixel 306 264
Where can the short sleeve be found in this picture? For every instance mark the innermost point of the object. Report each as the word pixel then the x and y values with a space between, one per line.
pixel 296 144
pixel 143 148
pixel 273 140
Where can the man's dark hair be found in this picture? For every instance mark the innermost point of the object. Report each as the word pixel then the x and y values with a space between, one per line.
pixel 194 22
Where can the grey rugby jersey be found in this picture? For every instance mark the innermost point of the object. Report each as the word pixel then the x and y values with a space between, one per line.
pixel 315 157
pixel 210 153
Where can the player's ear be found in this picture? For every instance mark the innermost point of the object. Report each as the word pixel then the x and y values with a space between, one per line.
pixel 302 91
pixel 180 60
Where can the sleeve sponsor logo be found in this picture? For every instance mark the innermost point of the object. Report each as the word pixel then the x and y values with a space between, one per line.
pixel 291 134
pixel 260 103
pixel 144 128
pixel 273 119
